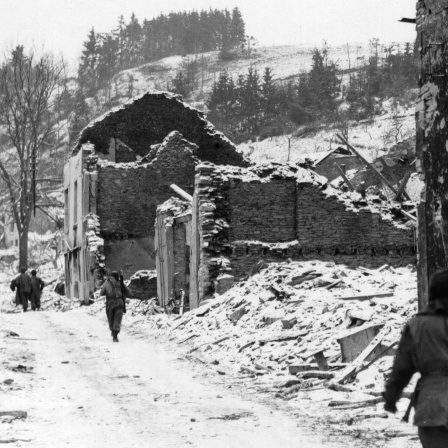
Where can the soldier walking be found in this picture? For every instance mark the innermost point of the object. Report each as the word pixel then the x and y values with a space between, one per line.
pixel 423 348
pixel 22 286
pixel 116 292
pixel 37 285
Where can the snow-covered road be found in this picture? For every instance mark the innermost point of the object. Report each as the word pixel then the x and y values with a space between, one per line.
pixel 88 392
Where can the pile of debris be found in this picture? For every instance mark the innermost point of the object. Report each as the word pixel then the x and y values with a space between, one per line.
pixel 300 316
pixel 303 326
pixel 300 331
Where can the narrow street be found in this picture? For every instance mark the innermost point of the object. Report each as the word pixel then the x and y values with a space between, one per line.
pixel 85 391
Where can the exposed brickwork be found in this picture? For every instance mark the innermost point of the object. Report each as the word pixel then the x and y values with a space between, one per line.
pixel 263 211
pixel 128 194
pixel 148 118
pixel 316 221
pixel 328 222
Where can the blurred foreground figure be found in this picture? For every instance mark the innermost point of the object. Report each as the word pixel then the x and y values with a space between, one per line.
pixel 116 293
pixel 423 348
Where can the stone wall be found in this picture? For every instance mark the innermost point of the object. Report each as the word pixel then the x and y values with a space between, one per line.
pixel 331 223
pixel 275 211
pixel 128 196
pixel 263 211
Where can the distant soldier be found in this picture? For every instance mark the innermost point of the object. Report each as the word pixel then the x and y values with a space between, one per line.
pixel 22 286
pixel 423 348
pixel 116 292
pixel 37 285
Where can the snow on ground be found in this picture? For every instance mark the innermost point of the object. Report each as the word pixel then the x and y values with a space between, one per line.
pixel 256 347
pixel 373 138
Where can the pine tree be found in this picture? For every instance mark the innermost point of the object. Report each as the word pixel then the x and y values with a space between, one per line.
pixel 88 76
pixel 268 94
pixel 133 33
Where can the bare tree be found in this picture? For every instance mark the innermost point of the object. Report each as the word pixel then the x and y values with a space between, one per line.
pixel 28 122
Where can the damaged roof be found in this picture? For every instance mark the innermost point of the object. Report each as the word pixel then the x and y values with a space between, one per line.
pixel 316 158
pixel 146 120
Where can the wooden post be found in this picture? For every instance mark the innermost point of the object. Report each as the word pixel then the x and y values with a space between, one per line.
pixel 403 186
pixel 389 171
pixel 341 172
pixel 378 174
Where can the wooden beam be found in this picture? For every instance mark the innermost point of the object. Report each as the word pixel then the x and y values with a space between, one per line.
pixel 358 362
pixel 401 188
pixel 377 173
pixel 181 192
pixel 392 176
pixel 341 172
pixel 366 297
pixel 408 215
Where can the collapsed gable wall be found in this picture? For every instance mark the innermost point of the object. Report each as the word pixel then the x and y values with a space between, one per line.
pixel 148 118
pixel 291 213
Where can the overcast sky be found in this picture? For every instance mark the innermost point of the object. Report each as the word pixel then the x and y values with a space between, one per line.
pixel 62 25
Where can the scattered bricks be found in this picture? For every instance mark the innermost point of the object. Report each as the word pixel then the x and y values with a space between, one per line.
pixel 357 316
pixel 238 314
pixel 355 340
pixel 274 316
pixel 267 295
pixel 289 323
pixel 223 283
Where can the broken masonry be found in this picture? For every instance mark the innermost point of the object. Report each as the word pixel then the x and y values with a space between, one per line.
pixel 120 213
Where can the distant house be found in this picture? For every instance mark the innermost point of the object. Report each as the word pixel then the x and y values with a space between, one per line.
pixel 323 163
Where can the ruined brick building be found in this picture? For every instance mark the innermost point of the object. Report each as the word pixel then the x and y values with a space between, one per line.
pixel 119 212
pixel 271 212
pixel 120 170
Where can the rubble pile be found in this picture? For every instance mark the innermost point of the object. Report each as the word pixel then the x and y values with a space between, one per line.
pixel 288 312
pixel 302 331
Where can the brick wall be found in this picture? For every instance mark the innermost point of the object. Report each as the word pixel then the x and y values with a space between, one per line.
pixel 326 223
pixel 277 211
pixel 263 211
pixel 127 196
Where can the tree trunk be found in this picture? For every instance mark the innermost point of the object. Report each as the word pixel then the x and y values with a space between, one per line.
pixel 23 247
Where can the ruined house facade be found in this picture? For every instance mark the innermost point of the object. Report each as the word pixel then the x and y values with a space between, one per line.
pixel 121 169
pixel 276 211
pixel 273 212
pixel 432 141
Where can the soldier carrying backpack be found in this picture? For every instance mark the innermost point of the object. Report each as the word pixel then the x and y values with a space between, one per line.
pixel 23 282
